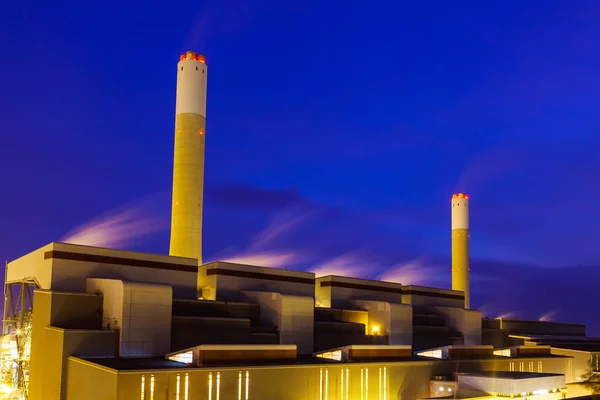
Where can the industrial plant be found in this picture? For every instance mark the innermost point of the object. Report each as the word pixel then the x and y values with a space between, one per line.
pixel 95 323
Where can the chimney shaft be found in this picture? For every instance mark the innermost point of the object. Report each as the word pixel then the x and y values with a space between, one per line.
pixel 460 245
pixel 188 161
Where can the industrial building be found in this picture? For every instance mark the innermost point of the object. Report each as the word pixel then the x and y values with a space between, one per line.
pixel 95 323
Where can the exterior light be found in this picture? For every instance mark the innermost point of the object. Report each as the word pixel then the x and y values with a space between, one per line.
pixel 375 329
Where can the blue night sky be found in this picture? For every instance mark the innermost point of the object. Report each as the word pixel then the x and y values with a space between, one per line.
pixel 336 133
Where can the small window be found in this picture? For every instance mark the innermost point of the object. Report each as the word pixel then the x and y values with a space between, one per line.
pixel 182 68
pixel 196 68
pixel 202 70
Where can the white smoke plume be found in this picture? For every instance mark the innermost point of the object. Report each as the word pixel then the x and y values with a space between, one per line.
pixel 120 227
pixel 549 316
pixel 350 264
pixel 413 272
pixel 260 251
pixel 508 315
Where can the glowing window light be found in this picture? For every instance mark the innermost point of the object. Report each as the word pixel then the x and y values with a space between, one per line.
pixel 326 383
pixel 187 386
pixel 503 352
pixel 347 383
pixel 450 389
pixel 544 391
pixel 240 385
pixel 361 384
pixel 380 391
pixel 143 391
pixel 366 383
pixel 384 383
pixel 247 383
pixel 218 385
pixel 321 384
pixel 151 387
pixel 331 355
pixel 186 357
pixel 178 387
pixel 210 384
pixel 342 383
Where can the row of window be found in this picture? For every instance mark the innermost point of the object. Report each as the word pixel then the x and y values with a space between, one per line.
pixel 345 384
pixel 182 389
pixel 532 366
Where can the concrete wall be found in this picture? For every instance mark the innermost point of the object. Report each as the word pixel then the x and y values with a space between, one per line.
pixel 141 312
pixel 293 315
pixel 504 385
pixel 81 378
pixel 62 310
pixel 427 296
pixel 224 281
pixel 403 380
pixel 32 265
pixel 339 292
pixel 579 363
pixel 514 326
pixel 65 267
pixel 393 320
pixel 468 322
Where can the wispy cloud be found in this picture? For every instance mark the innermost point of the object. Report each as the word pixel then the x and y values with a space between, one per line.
pixel 122 226
pixel 414 272
pixel 263 250
pixel 352 264
pixel 549 316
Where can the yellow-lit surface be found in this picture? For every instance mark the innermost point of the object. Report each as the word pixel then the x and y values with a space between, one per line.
pixel 460 262
pixel 187 386
pixel 218 385
pixel 247 383
pixel 152 387
pixel 188 186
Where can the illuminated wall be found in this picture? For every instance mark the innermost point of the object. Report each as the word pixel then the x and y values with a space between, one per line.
pixel 369 381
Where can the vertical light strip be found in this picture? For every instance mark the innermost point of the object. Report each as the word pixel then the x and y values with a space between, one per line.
pixel 347 383
pixel 187 387
pixel 362 389
pixel 247 384
pixel 380 391
pixel 326 383
pixel 178 387
pixel 366 383
pixel 218 385
pixel 240 385
pixel 143 387
pixel 342 384
pixel 320 383
pixel 151 387
pixel 210 386
pixel 384 383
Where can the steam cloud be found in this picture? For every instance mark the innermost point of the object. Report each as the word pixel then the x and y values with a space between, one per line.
pixel 120 227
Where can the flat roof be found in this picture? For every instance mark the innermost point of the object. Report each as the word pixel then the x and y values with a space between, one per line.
pixel 132 364
pixel 511 375
pixel 554 337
